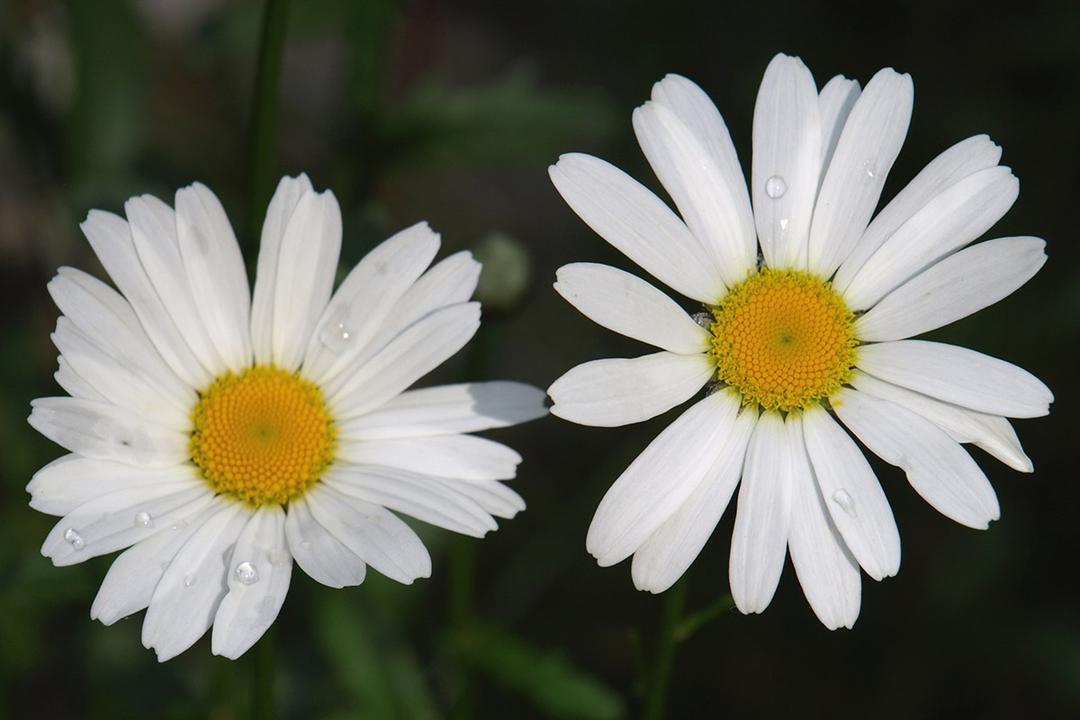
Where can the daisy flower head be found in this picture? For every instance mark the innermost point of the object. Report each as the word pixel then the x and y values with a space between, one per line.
pixel 221 435
pixel 809 304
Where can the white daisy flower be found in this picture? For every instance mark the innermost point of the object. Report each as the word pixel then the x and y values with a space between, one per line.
pixel 223 437
pixel 812 331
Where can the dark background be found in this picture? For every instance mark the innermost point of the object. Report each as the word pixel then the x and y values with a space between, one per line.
pixel 451 112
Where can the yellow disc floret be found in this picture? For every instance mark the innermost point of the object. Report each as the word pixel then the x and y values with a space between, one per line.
pixel 263 436
pixel 784 339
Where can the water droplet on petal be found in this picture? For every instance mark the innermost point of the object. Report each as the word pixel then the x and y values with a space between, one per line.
pixel 845 501
pixel 783 224
pixel 278 556
pixel 703 319
pixel 75 539
pixel 775 187
pixel 336 333
pixel 246 573
pixel 143 520
pixel 189 580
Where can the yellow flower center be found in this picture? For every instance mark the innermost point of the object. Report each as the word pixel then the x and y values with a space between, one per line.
pixel 784 339
pixel 263 436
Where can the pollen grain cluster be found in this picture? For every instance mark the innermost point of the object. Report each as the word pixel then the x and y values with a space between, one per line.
pixel 263 436
pixel 784 339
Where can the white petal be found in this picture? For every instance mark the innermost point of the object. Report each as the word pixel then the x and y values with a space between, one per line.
pixel 215 270
pixel 493 496
pixel 153 230
pixel 759 541
pixel 74 384
pixel 110 237
pixel 935 464
pixel 618 391
pixel 962 159
pixel 834 104
pixel 449 409
pixel 787 160
pixel 278 213
pixel 307 265
pixel 827 572
pixel 961 284
pixel 129 584
pixel 319 553
pixel 418 350
pixel 670 550
pixel 660 479
pixel 187 597
pixel 630 306
pixel 951 220
pixel 414 494
pixel 853 496
pixel 869 144
pixel 992 433
pixel 73 480
pixel 378 536
pixel 258 580
pixel 458 456
pixel 637 223
pixel 712 209
pixel 106 432
pixel 959 376
pixel 122 518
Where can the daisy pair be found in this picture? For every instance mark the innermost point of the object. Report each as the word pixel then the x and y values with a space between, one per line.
pixel 808 307
pixel 221 435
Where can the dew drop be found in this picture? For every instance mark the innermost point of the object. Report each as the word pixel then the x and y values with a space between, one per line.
pixel 143 520
pixel 246 573
pixel 189 580
pixel 278 556
pixel 775 187
pixel 703 319
pixel 845 501
pixel 75 539
pixel 336 334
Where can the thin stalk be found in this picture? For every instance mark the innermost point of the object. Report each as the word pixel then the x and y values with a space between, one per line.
pixel 670 615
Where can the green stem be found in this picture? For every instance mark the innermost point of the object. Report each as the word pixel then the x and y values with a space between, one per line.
pixel 264 102
pixel 263 685
pixel 671 613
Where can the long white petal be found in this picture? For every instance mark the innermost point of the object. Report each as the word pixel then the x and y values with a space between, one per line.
pixel 787 160
pixel 630 306
pixel 637 223
pixel 618 391
pixel 869 144
pixel 318 552
pixel 935 464
pixel 962 159
pixel 951 220
pixel 73 480
pixel 711 208
pixel 493 496
pixel 834 104
pixel 669 551
pixel 465 457
pixel 956 287
pixel 827 572
pixel 258 579
pixel 856 503
pixel 759 541
pixel 74 384
pixel 958 375
pixel 660 479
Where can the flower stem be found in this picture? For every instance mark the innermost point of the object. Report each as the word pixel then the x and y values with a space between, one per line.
pixel 671 613
pixel 264 102
pixel 263 683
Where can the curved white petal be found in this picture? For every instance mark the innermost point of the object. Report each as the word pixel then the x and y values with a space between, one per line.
pixel 187 596
pixel 827 572
pixel 637 223
pixel 660 479
pixel 73 480
pixel 458 456
pixel 958 375
pixel 619 391
pixel 834 105
pixel 278 213
pixel 318 552
pixel 630 306
pixel 759 541
pixel 447 410
pixel 853 496
pixel 935 464
pixel 258 579
pixel 962 159
pixel 951 220
pixel 710 207
pixel 961 284
pixel 493 496
pixel 992 433
pixel 74 384
pixel 667 554
pixel 787 161
pixel 868 145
